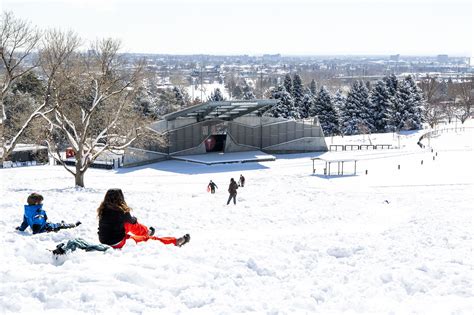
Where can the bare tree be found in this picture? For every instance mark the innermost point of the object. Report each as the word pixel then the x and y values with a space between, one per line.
pixel 18 42
pixel 93 112
pixel 433 111
pixel 465 91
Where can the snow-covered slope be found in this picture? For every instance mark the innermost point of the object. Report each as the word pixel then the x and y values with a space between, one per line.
pixel 393 241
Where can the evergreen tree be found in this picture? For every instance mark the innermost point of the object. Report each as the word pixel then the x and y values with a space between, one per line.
pixel 338 102
pixel 248 92
pixel 308 104
pixel 29 83
pixel 355 116
pixel 415 108
pixel 216 96
pixel 298 94
pixel 382 106
pixel 285 107
pixel 178 94
pixel 237 92
pixel 395 117
pixel 326 112
pixel 288 84
pixel 312 87
pixel 366 109
pixel 142 104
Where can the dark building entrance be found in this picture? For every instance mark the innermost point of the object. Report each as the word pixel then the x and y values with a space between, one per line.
pixel 215 143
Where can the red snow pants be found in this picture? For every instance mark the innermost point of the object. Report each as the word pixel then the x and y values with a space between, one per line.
pixel 139 233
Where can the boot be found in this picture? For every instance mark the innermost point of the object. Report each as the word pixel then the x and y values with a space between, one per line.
pixel 151 231
pixel 183 240
pixel 59 250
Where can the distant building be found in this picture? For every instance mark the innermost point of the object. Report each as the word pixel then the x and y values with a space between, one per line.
pixel 27 154
pixel 395 57
pixel 271 58
pixel 442 58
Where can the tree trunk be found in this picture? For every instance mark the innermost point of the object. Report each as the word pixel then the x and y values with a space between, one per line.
pixel 79 177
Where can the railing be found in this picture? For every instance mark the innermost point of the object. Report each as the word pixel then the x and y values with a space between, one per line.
pixel 437 132
pixel 354 147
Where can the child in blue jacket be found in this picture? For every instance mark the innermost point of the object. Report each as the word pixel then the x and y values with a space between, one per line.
pixel 35 217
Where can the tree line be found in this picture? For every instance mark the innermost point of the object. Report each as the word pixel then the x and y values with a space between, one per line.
pixel 389 105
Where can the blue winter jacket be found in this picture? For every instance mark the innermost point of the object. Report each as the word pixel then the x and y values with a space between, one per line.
pixel 35 217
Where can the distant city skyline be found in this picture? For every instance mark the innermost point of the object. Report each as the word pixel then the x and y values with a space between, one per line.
pixel 300 27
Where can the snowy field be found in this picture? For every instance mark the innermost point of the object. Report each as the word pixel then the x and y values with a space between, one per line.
pixel 394 241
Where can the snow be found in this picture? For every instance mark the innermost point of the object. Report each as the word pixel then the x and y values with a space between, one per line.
pixel 394 241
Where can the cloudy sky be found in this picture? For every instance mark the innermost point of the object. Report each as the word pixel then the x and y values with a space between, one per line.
pixel 290 27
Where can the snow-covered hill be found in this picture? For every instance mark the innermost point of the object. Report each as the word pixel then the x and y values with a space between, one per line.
pixel 394 241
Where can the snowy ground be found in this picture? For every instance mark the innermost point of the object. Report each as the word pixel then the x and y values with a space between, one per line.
pixel 390 242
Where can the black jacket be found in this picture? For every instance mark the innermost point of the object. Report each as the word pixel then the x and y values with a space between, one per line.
pixel 111 229
pixel 233 188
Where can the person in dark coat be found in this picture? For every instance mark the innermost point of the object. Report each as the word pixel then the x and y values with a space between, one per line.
pixel 232 191
pixel 37 219
pixel 241 180
pixel 116 224
pixel 212 187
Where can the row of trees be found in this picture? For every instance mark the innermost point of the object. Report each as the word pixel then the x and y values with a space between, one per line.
pixel 84 100
pixel 447 99
pixel 390 105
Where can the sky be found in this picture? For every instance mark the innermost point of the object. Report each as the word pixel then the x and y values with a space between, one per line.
pixel 255 27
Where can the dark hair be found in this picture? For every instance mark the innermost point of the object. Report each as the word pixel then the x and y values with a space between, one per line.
pixel 115 200
pixel 34 199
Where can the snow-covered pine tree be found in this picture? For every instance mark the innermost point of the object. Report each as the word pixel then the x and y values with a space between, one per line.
pixel 248 92
pixel 327 115
pixel 338 102
pixel 285 107
pixel 180 98
pixel 381 106
pixel 392 85
pixel 298 94
pixel 415 109
pixel 142 104
pixel 216 96
pixel 312 87
pixel 308 103
pixel 366 110
pixel 237 92
pixel 402 119
pixel 354 117
pixel 288 84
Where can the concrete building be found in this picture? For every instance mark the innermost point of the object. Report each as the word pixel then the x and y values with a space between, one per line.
pixel 227 126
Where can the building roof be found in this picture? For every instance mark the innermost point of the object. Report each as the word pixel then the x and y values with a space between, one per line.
pixel 225 110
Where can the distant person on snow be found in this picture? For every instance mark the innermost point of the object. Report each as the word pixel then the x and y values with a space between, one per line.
pixel 116 224
pixel 241 181
pixel 35 217
pixel 212 187
pixel 232 191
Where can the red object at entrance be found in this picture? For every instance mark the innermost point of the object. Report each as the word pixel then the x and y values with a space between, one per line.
pixel 210 143
pixel 70 153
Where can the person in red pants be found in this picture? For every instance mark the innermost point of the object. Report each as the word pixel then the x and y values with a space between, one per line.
pixel 116 224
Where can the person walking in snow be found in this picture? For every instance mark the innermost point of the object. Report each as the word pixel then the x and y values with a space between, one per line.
pixel 212 187
pixel 36 218
pixel 232 191
pixel 241 180
pixel 116 224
